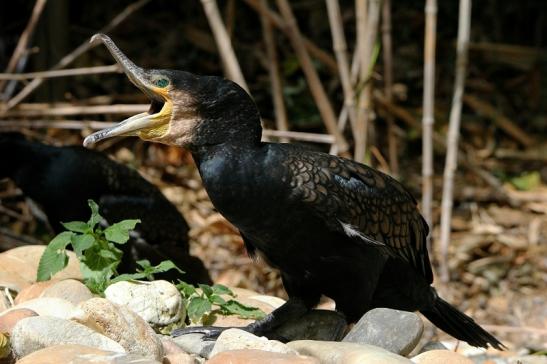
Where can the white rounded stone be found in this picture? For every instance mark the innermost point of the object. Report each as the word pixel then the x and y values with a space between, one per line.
pixel 158 302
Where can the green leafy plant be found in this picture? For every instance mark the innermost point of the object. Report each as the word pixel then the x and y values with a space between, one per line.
pixel 97 252
pixel 147 271
pixel 208 301
pixel 99 256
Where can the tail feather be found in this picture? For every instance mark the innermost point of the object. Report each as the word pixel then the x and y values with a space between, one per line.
pixel 462 327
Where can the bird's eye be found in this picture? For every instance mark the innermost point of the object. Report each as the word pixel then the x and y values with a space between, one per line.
pixel 161 82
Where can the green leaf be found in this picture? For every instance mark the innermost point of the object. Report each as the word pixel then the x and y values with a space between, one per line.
pixel 186 289
pixel 95 217
pixel 207 290
pixel 107 254
pixel 221 289
pixel 233 307
pixel 76 226
pixel 128 277
pixel 144 264
pixel 99 264
pixel 81 243
pixel 54 258
pixel 165 266
pixel 526 181
pixel 119 232
pixel 217 300
pixel 197 307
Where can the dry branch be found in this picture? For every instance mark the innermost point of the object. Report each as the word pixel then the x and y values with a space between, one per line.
pixel 22 44
pixel 275 77
pixel 224 44
pixel 428 113
pixel 464 25
pixel 316 88
pixel 61 73
pixel 69 58
pixel 279 23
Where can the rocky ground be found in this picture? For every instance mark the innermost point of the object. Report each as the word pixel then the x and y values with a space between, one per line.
pixel 61 321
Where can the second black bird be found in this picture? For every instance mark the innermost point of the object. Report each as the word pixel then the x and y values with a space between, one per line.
pixel 62 179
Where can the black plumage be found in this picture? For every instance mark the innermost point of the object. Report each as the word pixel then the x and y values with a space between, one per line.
pixel 62 179
pixel 332 226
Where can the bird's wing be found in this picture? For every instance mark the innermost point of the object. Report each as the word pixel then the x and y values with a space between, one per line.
pixel 362 203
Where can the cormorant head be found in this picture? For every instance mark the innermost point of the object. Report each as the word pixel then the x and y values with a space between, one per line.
pixel 186 110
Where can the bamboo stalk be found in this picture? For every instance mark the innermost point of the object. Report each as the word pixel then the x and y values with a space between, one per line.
pixel 388 86
pixel 366 36
pixel 24 39
pixel 464 25
pixel 360 58
pixel 79 110
pixel 62 73
pixel 69 58
pixel 275 77
pixel 97 125
pixel 279 23
pixel 316 88
pixel 340 51
pixel 224 44
pixel 428 113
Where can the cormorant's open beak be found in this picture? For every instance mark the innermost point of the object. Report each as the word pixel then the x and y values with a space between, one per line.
pixel 147 125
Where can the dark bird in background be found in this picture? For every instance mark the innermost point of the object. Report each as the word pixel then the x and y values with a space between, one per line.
pixel 62 179
pixel 332 226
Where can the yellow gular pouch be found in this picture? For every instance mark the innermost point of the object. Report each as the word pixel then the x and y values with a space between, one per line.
pixel 161 119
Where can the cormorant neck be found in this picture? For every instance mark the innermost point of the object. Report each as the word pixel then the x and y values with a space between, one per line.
pixel 227 150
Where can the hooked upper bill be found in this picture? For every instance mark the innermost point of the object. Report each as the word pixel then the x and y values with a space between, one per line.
pixel 148 125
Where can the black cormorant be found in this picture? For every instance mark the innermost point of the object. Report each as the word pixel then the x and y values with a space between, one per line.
pixel 332 226
pixel 62 179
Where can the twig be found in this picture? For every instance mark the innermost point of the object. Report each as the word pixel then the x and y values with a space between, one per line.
pixel 275 78
pixel 380 158
pixel 464 26
pixel 340 51
pixel 22 44
pixel 388 86
pixel 428 119
pixel 61 73
pixel 279 23
pixel 80 110
pixel 316 88
pixel 97 125
pixel 224 44
pixel 507 125
pixel 69 58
